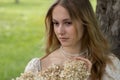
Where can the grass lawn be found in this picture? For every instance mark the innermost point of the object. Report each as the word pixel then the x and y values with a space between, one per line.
pixel 21 34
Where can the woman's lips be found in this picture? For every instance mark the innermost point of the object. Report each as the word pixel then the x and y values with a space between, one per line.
pixel 63 39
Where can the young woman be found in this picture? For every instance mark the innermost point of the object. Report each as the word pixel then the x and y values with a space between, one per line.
pixel 73 33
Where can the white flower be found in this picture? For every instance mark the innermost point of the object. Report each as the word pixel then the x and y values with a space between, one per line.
pixel 72 70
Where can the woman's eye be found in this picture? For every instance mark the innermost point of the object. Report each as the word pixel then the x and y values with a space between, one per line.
pixel 68 23
pixel 55 23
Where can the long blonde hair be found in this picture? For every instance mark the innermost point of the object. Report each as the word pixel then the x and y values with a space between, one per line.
pixel 98 49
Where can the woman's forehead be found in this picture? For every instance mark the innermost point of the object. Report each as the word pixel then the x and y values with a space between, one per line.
pixel 61 13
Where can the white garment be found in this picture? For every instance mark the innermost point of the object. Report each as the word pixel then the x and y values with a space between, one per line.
pixel 112 72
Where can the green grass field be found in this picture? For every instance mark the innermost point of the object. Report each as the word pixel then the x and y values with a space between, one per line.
pixel 21 34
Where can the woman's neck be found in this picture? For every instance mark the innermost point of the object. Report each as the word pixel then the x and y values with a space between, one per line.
pixel 71 50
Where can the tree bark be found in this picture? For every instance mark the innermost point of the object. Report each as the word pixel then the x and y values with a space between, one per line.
pixel 108 14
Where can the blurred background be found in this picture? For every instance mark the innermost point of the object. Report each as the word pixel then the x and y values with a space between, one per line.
pixel 22 32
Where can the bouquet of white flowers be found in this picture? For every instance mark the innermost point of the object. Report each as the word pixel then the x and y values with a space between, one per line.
pixel 71 70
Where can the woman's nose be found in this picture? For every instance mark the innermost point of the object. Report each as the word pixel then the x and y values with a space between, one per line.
pixel 61 29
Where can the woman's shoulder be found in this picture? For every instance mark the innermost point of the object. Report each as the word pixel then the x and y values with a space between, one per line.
pixel 112 71
pixel 115 62
pixel 33 65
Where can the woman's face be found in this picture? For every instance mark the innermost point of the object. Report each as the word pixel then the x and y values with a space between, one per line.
pixel 64 28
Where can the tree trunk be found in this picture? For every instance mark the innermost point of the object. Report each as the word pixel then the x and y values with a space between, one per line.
pixel 108 14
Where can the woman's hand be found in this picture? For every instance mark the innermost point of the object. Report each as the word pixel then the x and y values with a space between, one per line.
pixel 88 63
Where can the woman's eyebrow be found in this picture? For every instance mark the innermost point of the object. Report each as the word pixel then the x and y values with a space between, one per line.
pixel 67 19
pixel 54 20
